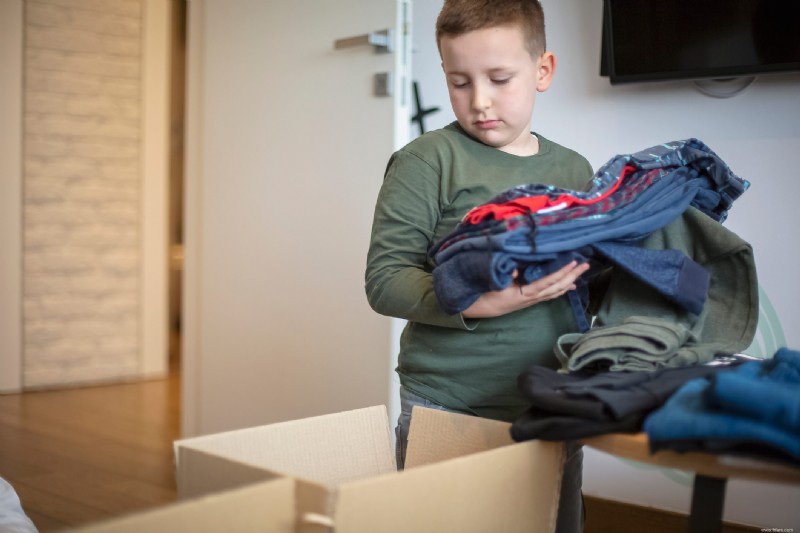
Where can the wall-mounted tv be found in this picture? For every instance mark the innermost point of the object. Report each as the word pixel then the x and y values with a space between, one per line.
pixel 650 40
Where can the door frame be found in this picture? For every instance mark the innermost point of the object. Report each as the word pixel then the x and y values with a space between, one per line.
pixel 11 53
pixel 191 349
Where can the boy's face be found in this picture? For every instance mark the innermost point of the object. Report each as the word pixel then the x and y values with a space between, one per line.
pixel 492 80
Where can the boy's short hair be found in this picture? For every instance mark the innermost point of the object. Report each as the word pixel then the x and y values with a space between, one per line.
pixel 461 16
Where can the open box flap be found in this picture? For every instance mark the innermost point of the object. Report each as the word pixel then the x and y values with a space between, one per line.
pixel 200 473
pixel 267 506
pixel 329 449
pixel 507 489
pixel 437 435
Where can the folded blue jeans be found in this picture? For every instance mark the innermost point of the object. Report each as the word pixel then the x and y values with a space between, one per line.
pixel 459 283
pixel 714 187
pixel 470 262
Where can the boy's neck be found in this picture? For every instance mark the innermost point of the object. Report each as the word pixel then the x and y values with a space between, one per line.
pixel 530 147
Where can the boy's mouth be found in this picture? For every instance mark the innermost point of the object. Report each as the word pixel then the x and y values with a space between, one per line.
pixel 486 124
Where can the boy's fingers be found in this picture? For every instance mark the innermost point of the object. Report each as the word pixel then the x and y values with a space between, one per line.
pixel 555 284
pixel 569 279
pixel 572 270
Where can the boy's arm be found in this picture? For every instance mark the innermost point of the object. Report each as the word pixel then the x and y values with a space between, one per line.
pixel 398 276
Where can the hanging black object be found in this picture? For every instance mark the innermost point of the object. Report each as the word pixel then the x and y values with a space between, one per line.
pixel 420 113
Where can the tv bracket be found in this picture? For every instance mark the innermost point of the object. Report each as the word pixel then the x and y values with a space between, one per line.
pixel 723 87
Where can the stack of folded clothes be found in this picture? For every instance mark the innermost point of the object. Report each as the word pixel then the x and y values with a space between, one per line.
pixel 581 404
pixel 681 292
pixel 535 229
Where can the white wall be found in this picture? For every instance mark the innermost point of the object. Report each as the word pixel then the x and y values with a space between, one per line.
pixel 757 133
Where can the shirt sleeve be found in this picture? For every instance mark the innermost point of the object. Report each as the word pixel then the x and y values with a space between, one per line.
pixel 398 274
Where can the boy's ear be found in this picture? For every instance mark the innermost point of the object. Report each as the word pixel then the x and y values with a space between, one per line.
pixel 545 69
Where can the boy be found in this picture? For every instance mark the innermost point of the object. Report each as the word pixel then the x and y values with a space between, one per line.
pixel 495 61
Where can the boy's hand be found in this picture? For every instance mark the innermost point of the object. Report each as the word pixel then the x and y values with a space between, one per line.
pixel 516 297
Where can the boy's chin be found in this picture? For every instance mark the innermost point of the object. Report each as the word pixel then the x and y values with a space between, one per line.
pixel 492 137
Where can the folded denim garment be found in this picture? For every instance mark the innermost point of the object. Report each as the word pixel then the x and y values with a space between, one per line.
pixel 666 180
pixel 654 167
pixel 458 284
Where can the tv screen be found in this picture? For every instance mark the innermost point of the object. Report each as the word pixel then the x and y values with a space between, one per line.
pixel 649 40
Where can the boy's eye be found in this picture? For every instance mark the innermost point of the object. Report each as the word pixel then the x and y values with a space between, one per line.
pixel 501 81
pixel 459 84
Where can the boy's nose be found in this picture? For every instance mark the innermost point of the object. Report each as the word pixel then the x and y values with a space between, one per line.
pixel 480 100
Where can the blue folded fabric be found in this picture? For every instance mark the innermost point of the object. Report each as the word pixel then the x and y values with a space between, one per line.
pixel 671 272
pixel 753 410
pixel 784 367
pixel 661 203
pixel 459 283
pixel 686 422
pixel 775 406
pixel 766 391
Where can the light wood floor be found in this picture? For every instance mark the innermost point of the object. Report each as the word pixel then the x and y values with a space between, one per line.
pixel 81 455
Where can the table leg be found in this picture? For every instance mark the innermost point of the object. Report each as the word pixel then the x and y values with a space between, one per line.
pixel 708 500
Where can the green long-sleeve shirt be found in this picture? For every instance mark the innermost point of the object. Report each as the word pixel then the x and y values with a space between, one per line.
pixel 469 365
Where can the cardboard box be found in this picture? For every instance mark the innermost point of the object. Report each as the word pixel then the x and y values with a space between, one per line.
pixel 464 473
pixel 259 508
